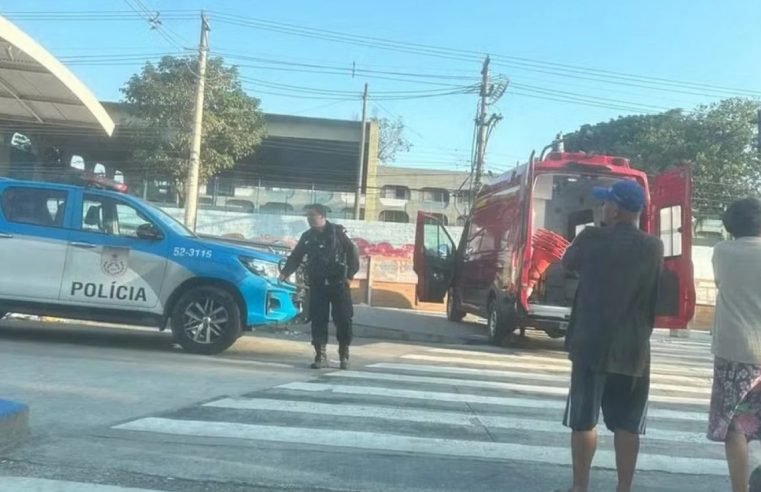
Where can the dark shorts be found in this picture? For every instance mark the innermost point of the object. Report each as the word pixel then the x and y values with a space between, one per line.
pixel 623 400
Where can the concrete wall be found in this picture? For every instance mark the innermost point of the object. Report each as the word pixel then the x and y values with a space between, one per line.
pixel 385 279
pixel 287 229
pixel 389 274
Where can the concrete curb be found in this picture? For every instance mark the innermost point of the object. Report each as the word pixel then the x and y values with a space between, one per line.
pixel 364 331
pixel 14 423
pixel 387 333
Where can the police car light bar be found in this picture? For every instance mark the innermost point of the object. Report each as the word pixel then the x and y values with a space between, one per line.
pixel 103 183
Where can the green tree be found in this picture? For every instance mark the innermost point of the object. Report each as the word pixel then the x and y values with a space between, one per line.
pixel 717 140
pixel 163 96
pixel 391 139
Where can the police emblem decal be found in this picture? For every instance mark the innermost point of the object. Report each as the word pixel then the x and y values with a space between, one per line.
pixel 114 261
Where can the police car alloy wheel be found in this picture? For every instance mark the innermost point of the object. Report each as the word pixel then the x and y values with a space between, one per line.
pixel 206 320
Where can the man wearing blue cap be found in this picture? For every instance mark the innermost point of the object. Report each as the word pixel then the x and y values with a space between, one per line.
pixel 608 337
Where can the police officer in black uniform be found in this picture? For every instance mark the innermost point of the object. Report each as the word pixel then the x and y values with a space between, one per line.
pixel 332 262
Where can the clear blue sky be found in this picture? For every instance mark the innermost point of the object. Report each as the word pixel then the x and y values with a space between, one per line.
pixel 695 41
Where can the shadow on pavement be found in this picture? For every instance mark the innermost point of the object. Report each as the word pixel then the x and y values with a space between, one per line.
pixel 94 336
pixel 371 325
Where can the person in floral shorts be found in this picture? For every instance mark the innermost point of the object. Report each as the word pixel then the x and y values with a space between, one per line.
pixel 735 415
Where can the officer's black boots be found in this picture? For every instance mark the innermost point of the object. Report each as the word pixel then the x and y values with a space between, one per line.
pixel 320 357
pixel 343 354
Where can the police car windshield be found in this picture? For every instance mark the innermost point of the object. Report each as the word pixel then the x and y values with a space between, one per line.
pixel 167 220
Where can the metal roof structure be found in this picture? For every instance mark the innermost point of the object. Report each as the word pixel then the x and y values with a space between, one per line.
pixel 36 88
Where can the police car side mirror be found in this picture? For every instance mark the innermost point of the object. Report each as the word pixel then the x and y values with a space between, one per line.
pixel 149 232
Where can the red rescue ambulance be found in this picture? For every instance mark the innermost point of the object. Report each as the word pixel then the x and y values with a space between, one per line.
pixel 506 267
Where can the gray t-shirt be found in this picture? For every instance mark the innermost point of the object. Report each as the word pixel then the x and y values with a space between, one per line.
pixel 737 326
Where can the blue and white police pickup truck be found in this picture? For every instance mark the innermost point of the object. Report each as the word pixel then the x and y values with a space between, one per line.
pixel 93 252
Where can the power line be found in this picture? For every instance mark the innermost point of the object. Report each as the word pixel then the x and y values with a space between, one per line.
pixel 606 76
pixel 302 92
pixel 321 106
pixel 540 66
pixel 530 91
pixel 153 20
pixel 316 90
pixel 97 15
pixel 353 69
pixel 557 95
pixel 582 97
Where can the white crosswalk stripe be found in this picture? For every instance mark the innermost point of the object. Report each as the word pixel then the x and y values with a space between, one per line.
pixel 498 384
pixel 403 414
pixel 675 383
pixel 548 364
pixel 470 403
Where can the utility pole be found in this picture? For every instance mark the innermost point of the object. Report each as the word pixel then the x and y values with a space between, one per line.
pixel 361 164
pixel 191 183
pixel 481 123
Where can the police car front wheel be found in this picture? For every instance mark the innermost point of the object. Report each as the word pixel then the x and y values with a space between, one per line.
pixel 206 320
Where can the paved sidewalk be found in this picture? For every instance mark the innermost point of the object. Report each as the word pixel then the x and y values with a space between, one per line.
pixel 416 326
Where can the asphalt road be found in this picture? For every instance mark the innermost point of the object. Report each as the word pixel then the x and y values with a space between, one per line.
pixel 117 409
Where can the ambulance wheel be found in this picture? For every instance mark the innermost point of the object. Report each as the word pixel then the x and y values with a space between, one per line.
pixel 454 311
pixel 502 323
pixel 206 320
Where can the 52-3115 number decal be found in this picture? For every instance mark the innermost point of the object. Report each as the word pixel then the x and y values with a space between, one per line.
pixel 191 252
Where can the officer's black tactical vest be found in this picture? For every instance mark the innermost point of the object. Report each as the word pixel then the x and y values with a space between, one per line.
pixel 326 254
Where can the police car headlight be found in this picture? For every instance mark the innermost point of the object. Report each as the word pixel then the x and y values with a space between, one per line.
pixel 261 267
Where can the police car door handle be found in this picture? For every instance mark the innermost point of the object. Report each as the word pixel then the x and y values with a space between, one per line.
pixel 83 245
pixel 3 235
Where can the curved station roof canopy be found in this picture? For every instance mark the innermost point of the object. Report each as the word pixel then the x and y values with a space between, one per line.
pixel 36 88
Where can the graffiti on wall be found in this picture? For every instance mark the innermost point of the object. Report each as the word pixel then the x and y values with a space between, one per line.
pixel 365 247
pixel 389 263
pixel 385 249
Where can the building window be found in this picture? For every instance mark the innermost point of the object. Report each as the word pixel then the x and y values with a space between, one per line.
pixel 276 208
pixel 205 202
pixel 327 209
pixel 220 186
pixel 394 216
pixel 348 213
pixel 435 195
pixel 396 192
pixel 244 206
pixel 437 218
pixel 225 187
pixel 463 196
